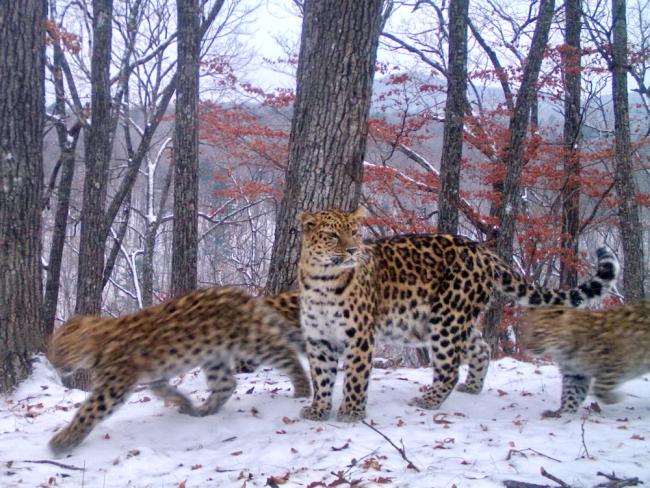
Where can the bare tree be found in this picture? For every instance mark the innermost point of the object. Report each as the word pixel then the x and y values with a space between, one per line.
pixel 22 110
pixel 628 208
pixel 186 151
pixel 452 145
pixel 328 132
pixel 67 137
pixel 506 210
pixel 571 60
pixel 98 155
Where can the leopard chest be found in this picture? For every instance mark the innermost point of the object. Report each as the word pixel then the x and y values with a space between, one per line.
pixel 325 318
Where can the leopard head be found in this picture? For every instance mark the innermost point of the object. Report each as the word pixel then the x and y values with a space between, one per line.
pixel 73 346
pixel 331 239
pixel 546 329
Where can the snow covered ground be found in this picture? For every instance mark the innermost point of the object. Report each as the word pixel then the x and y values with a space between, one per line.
pixel 258 439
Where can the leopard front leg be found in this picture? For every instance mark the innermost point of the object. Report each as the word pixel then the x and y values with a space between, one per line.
pixel 477 356
pixel 358 364
pixel 323 361
pixel 109 392
pixel 574 392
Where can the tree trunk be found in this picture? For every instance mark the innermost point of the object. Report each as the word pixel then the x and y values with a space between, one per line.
pixel 67 139
pixel 98 154
pixel 628 209
pixel 151 233
pixel 186 151
pixel 513 159
pixel 452 145
pixel 571 61
pixel 92 240
pixel 327 144
pixel 22 109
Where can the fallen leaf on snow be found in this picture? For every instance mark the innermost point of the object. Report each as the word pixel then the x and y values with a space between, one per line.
pixel 381 480
pixel 440 419
pixel 371 463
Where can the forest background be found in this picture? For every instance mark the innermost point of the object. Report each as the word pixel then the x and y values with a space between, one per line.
pixel 511 123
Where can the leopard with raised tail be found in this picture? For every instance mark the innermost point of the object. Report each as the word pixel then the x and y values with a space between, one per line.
pixel 422 289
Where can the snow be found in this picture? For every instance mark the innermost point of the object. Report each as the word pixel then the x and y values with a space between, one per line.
pixel 473 441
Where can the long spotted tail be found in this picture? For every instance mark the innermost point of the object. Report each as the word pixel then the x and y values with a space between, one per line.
pixel 513 285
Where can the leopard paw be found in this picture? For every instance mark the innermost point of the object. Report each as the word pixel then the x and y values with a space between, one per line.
pixel 551 414
pixel 468 388
pixel 425 403
pixel 351 415
pixel 61 444
pixel 314 413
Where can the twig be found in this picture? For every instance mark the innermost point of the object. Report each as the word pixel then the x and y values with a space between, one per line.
pixel 401 450
pixel 548 475
pixel 616 482
pixel 584 444
pixel 60 465
pixel 522 484
pixel 340 478
pixel 521 451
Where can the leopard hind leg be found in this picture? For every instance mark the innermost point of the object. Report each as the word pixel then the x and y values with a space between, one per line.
pixel 170 393
pixel 283 357
pixel 447 350
pixel 477 357
pixel 221 383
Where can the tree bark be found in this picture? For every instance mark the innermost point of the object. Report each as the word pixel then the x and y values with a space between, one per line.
pixel 513 158
pixel 186 151
pixel 98 150
pixel 327 144
pixel 22 110
pixel 452 145
pixel 572 66
pixel 98 154
pixel 628 208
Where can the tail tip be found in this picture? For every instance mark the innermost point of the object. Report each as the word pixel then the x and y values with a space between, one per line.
pixel 607 263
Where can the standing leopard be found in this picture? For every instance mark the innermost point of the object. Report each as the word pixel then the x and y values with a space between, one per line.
pixel 606 346
pixel 208 328
pixel 477 352
pixel 425 289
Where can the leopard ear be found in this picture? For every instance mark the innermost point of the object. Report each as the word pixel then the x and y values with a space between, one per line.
pixel 307 221
pixel 359 213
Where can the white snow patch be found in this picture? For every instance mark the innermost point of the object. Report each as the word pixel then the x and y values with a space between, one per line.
pixel 473 441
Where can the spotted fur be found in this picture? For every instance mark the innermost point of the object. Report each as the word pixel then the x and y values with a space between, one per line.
pixel 601 348
pixel 207 328
pixel 426 290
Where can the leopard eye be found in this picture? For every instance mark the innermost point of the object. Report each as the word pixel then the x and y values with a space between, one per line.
pixel 355 232
pixel 333 235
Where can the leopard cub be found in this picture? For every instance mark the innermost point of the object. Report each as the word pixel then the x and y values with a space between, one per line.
pixel 211 328
pixel 606 346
